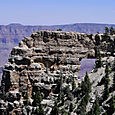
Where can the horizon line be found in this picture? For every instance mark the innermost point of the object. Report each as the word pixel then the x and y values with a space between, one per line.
pixel 56 24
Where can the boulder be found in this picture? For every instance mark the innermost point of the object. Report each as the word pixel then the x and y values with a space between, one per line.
pixel 16 104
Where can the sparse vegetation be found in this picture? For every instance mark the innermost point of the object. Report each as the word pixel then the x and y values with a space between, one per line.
pixel 59 29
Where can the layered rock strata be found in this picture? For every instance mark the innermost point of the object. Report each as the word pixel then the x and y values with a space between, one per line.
pixel 45 51
pixel 42 59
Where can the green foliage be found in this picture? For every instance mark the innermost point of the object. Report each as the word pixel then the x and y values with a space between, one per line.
pixel 106 92
pixel 86 85
pixel 63 112
pixel 37 99
pixel 112 31
pixel 82 106
pixel 106 83
pixel 36 111
pixel 20 90
pixel 71 107
pixel 85 89
pixel 73 84
pixel 113 68
pixel 67 90
pixel 55 109
pixel 113 85
pixel 106 31
pixel 112 105
pixel 99 60
pixel 62 98
pixel 26 96
pixel 59 29
pixel 97 40
pixel 104 113
pixel 107 69
pixel 41 110
pixel 96 108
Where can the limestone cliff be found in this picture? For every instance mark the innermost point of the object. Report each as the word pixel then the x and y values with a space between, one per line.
pixel 44 60
pixel 44 50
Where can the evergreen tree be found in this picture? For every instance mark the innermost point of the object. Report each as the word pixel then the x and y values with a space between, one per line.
pixel 36 112
pixel 37 99
pixel 63 112
pixel 55 109
pixel 83 107
pixel 113 85
pixel 97 40
pixel 71 107
pixel 85 89
pixel 62 98
pixel 96 108
pixel 112 31
pixel 26 96
pixel 73 84
pixel 106 31
pixel 113 68
pixel 105 113
pixel 112 105
pixel 87 83
pixel 41 110
pixel 106 83
pixel 99 60
pixel 107 69
pixel 59 29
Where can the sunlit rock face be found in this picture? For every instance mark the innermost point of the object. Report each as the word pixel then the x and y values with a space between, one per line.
pixel 49 62
pixel 42 55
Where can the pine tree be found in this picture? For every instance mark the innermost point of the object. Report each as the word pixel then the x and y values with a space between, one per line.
pixel 96 108
pixel 62 98
pixel 112 31
pixel 26 96
pixel 55 109
pixel 41 110
pixel 71 107
pixel 112 105
pixel 97 40
pixel 106 83
pixel 99 60
pixel 113 85
pixel 85 89
pixel 87 83
pixel 73 84
pixel 107 69
pixel 37 99
pixel 106 31
pixel 113 68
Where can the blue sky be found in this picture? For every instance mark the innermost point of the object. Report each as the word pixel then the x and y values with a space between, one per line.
pixel 54 12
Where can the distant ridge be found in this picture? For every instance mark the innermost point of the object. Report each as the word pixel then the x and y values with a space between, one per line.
pixel 76 27
pixel 11 34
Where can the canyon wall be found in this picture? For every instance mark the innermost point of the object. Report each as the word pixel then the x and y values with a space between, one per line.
pixel 42 55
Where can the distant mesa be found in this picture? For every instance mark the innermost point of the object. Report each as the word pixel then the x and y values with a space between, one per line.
pixel 15 24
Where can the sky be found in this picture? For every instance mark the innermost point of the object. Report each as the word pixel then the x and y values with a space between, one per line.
pixel 56 12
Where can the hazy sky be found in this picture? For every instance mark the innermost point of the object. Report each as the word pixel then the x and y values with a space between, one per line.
pixel 53 12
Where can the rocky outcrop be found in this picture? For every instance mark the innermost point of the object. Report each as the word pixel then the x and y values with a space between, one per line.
pixel 42 60
pixel 32 60
pixel 11 34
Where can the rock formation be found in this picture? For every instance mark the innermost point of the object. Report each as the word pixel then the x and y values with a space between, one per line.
pixel 11 34
pixel 43 51
pixel 40 61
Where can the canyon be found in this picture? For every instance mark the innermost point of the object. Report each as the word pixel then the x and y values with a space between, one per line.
pixel 44 60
